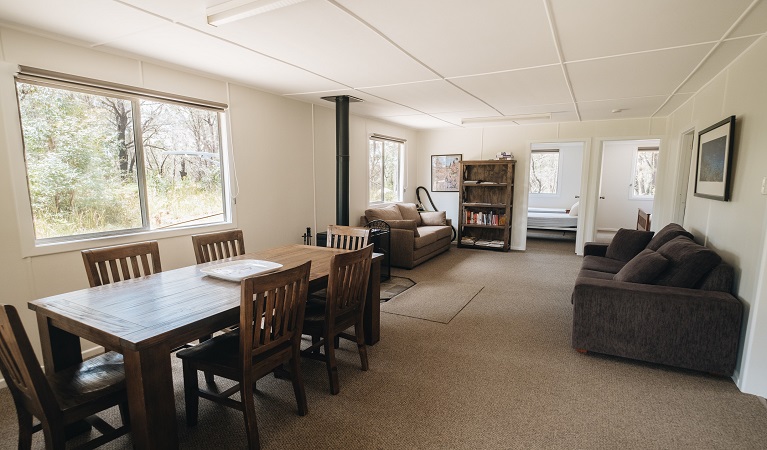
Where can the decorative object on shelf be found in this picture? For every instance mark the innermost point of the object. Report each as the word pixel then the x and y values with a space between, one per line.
pixel 445 172
pixel 714 163
pixel 485 201
pixel 504 155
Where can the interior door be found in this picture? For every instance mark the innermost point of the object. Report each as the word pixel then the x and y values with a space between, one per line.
pixel 683 183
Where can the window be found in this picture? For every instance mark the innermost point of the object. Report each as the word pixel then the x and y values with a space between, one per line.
pixel 103 162
pixel 385 157
pixel 645 168
pixel 544 172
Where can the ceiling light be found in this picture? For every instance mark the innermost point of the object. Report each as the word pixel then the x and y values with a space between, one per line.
pixel 235 10
pixel 617 110
pixel 504 119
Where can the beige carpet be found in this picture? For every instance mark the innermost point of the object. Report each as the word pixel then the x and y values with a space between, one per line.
pixel 437 301
pixel 500 375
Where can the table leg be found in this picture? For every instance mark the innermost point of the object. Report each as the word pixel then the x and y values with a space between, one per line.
pixel 60 348
pixel 372 314
pixel 150 398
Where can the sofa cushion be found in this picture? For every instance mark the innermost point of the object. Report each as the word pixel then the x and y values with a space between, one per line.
pixel 585 273
pixel 627 244
pixel 403 224
pixel 410 212
pixel 643 268
pixel 441 231
pixel 719 279
pixel 433 218
pixel 602 264
pixel 386 212
pixel 666 234
pixel 688 262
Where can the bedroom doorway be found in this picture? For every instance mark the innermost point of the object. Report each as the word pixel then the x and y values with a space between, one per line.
pixel 556 170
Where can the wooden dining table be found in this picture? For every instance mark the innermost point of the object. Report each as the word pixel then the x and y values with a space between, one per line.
pixel 144 318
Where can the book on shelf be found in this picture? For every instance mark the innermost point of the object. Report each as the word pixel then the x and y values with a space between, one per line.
pixel 485 218
pixel 468 240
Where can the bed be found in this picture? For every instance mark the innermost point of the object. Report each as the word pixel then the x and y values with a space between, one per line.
pixel 551 219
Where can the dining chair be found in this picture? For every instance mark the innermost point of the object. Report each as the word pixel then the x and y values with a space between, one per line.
pixel 347 238
pixel 58 400
pixel 107 265
pixel 271 315
pixel 218 245
pixel 343 307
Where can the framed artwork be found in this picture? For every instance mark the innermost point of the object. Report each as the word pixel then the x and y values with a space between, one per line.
pixel 714 163
pixel 444 172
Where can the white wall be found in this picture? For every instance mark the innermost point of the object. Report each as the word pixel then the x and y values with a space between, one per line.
pixel 735 229
pixel 617 209
pixel 283 151
pixel 570 171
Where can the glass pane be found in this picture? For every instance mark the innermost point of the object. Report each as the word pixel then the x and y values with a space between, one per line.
pixel 646 168
pixel 544 171
pixel 391 171
pixel 80 159
pixel 376 172
pixel 183 165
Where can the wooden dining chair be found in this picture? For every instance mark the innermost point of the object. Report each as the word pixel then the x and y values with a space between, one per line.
pixel 219 245
pixel 344 306
pixel 121 262
pixel 61 399
pixel 271 315
pixel 347 238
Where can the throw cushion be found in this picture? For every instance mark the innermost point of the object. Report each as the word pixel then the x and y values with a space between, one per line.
pixel 643 268
pixel 403 224
pixel 627 244
pixel 410 212
pixel 574 209
pixel 387 213
pixel 430 218
pixel 688 262
pixel 666 234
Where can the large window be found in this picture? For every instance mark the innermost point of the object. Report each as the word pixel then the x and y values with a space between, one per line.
pixel 103 162
pixel 645 168
pixel 385 157
pixel 544 172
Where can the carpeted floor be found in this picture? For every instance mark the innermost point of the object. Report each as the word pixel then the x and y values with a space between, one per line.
pixel 500 375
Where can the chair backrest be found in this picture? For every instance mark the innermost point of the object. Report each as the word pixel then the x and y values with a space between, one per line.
pixel 347 238
pixel 214 246
pixel 20 367
pixel 121 262
pixel 643 220
pixel 348 282
pixel 272 310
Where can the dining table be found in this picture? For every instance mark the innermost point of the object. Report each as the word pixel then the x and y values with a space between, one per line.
pixel 145 318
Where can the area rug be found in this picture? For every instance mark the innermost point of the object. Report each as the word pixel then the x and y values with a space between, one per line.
pixel 395 286
pixel 433 301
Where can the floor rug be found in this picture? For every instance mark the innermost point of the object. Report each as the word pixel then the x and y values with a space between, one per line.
pixel 395 286
pixel 434 301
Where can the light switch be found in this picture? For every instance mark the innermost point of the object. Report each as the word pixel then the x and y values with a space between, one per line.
pixel 764 186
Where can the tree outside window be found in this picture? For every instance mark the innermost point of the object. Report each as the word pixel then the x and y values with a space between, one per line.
pixel 544 171
pixel 645 169
pixel 385 170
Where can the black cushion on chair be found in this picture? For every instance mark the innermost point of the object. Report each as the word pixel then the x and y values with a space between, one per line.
pixel 627 244
pixel 643 268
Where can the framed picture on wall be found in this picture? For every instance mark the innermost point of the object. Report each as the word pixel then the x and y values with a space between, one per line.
pixel 714 163
pixel 444 172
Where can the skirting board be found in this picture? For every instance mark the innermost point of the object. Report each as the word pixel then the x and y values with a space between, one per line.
pixel 91 352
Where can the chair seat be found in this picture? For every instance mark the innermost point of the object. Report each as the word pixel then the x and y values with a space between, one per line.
pixel 94 378
pixel 223 351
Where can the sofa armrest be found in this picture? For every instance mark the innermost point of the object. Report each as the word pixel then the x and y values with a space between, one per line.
pixel 595 249
pixel 689 328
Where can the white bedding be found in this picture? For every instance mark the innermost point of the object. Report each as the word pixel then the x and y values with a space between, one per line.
pixel 550 218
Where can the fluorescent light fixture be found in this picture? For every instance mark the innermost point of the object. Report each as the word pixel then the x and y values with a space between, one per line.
pixel 504 119
pixel 235 10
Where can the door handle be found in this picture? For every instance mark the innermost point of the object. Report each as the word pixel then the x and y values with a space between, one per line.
pixel 601 198
pixel 577 196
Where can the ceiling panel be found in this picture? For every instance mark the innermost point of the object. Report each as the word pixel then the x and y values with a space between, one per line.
pixel 594 28
pixel 455 117
pixel 637 75
pixel 459 37
pixel 631 108
pixel 370 106
pixel 754 23
pixel 190 48
pixel 722 56
pixel 508 90
pixel 173 9
pixel 419 121
pixel 323 39
pixel 428 96
pixel 674 102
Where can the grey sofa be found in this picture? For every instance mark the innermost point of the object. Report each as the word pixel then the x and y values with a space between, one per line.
pixel 416 236
pixel 662 299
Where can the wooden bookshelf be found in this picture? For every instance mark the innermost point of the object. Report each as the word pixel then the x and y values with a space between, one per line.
pixel 484 210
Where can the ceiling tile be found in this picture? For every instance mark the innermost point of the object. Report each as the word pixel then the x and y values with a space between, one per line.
pixel 173 9
pixel 594 28
pixel 631 108
pixel 754 23
pixel 323 39
pixel 429 96
pixel 508 90
pixel 458 37
pixel 456 117
pixel 638 75
pixel 370 106
pixel 673 104
pixel 419 121
pixel 722 56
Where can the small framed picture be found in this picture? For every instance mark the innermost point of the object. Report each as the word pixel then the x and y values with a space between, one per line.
pixel 714 166
pixel 444 172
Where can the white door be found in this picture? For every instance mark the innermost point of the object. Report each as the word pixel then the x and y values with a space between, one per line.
pixel 683 183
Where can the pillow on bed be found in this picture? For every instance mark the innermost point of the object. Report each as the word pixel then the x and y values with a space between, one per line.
pixel 574 209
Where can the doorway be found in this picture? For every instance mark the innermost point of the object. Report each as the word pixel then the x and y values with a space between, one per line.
pixel 683 174
pixel 627 185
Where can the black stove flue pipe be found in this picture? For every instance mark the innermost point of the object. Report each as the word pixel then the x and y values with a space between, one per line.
pixel 342 160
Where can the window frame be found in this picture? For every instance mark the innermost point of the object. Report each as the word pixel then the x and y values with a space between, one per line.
pixel 400 167
pixel 634 167
pixel 559 171
pixel 11 119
